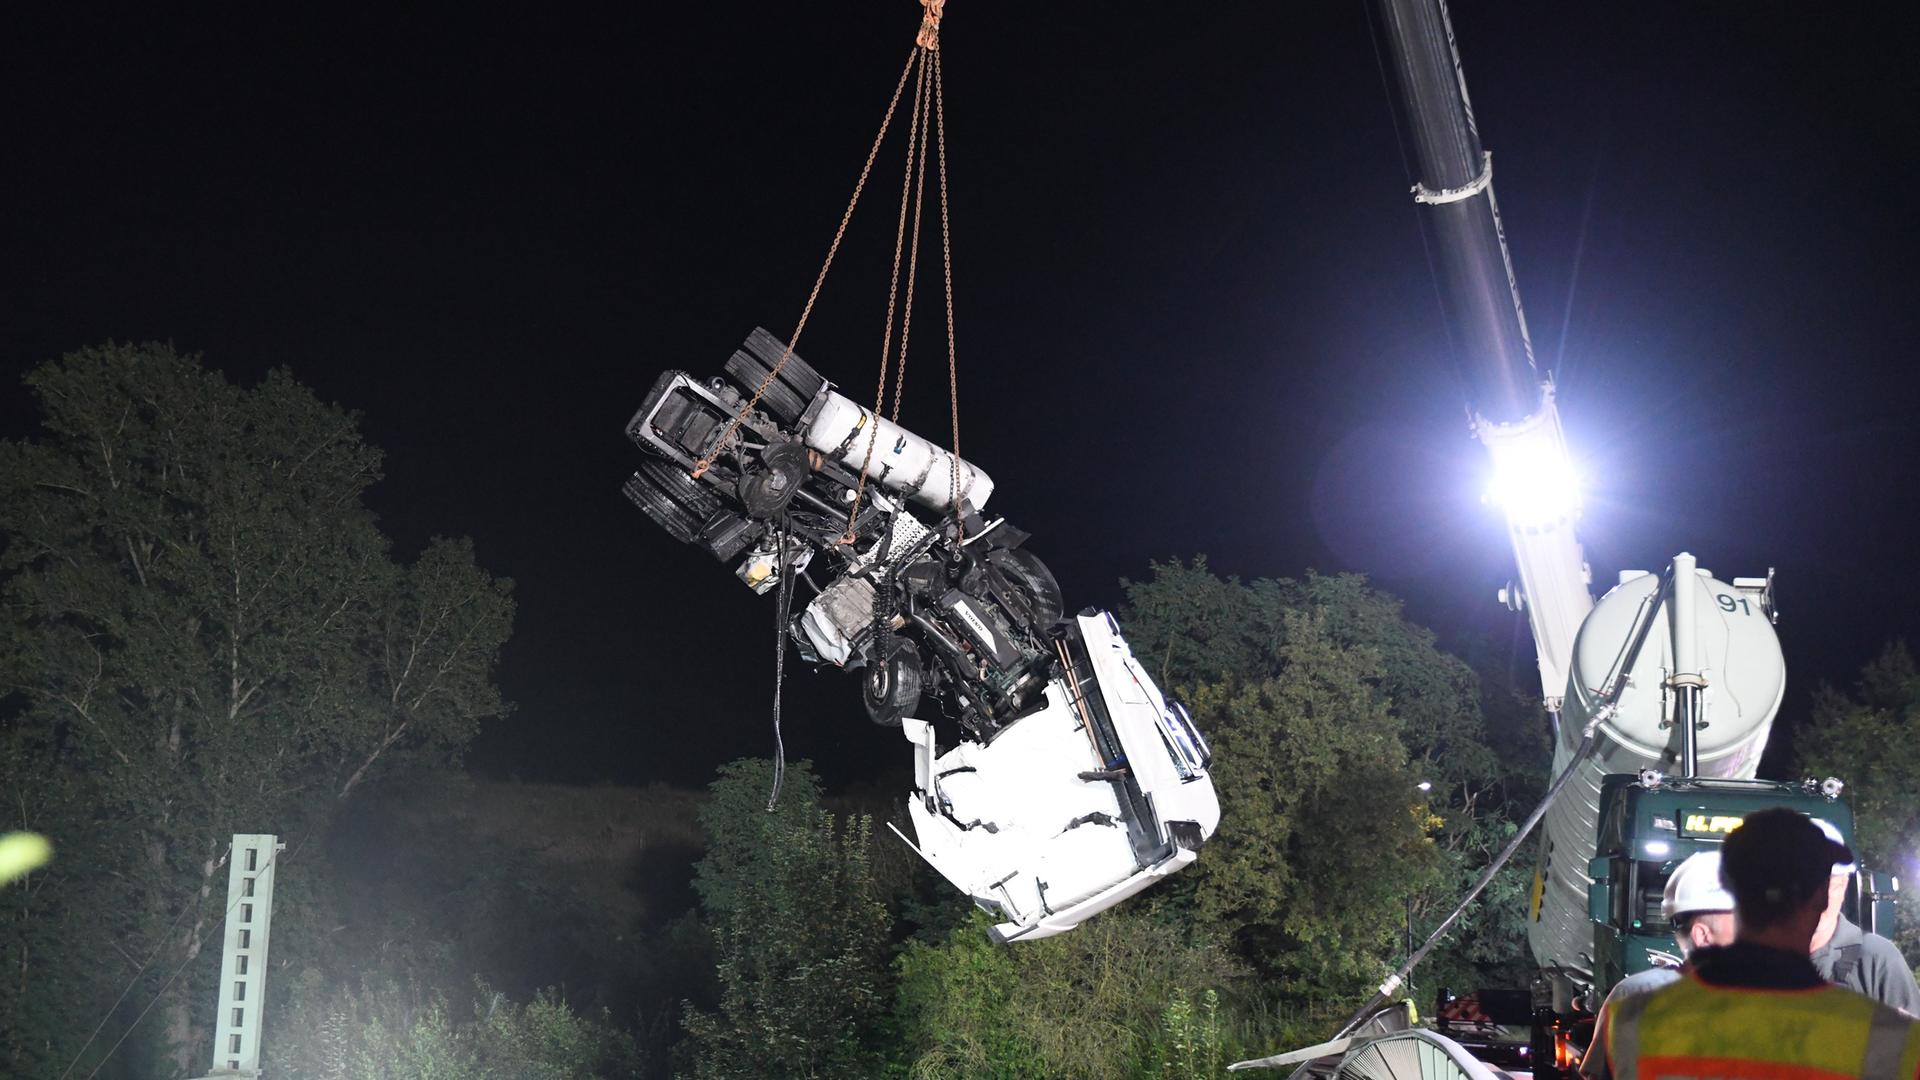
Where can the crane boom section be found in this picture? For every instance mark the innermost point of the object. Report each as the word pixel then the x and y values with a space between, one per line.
pixel 1512 404
pixel 1536 487
pixel 1455 191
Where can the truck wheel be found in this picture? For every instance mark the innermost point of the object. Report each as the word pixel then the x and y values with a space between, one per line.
pixel 786 397
pixel 1030 578
pixel 675 501
pixel 893 684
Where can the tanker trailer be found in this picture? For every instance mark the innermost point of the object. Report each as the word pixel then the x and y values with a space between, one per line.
pixel 1709 666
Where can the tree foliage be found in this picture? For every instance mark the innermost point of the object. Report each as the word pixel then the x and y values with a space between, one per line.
pixel 1113 998
pixel 1325 707
pixel 799 933
pixel 1323 835
pixel 202 631
pixel 1864 736
pixel 389 1033
pixel 955 1007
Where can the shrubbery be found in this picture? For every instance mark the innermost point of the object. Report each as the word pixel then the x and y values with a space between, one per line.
pixel 392 1034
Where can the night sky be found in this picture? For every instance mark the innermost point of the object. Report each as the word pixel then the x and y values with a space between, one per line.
pixel 1194 310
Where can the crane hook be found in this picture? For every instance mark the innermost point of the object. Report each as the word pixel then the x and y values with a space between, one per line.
pixel 929 36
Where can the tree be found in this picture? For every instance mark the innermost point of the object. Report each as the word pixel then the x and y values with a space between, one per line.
pixel 1325 706
pixel 1322 834
pixel 203 632
pixel 1865 737
pixel 800 934
pixel 955 1008
pixel 1113 998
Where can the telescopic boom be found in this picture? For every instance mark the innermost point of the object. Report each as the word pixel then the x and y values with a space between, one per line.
pixel 1511 403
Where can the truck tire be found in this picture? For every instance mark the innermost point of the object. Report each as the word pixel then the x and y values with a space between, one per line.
pixel 892 687
pixel 787 397
pixel 674 500
pixel 1033 582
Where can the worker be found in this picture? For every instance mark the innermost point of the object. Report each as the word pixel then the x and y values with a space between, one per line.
pixel 1758 1007
pixel 1853 958
pixel 1700 911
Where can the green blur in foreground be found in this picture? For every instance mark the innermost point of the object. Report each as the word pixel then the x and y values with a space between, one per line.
pixel 21 853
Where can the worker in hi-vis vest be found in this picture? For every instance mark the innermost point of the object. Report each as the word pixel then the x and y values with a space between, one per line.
pixel 1758 1009
pixel 1700 910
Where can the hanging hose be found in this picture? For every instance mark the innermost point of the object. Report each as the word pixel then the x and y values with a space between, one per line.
pixel 928 110
pixel 1612 690
pixel 1392 984
pixel 783 619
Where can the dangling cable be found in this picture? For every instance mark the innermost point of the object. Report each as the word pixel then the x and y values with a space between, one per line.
pixel 783 606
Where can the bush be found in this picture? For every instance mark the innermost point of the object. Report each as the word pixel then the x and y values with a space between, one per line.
pixel 390 1033
pixel 800 935
pixel 1092 1003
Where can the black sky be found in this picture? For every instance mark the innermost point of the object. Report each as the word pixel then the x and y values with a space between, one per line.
pixel 1195 315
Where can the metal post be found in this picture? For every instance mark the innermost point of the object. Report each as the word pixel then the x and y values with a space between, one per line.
pixel 243 958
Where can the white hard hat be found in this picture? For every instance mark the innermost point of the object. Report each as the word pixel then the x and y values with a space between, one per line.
pixel 1695 886
pixel 1833 834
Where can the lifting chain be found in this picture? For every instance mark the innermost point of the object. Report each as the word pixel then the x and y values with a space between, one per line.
pixel 929 118
pixel 793 340
pixel 928 124
pixel 929 36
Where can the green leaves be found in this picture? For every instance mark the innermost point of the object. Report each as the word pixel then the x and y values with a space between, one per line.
pixel 205 633
pixel 1865 737
pixel 1095 1003
pixel 386 1033
pixel 1325 708
pixel 1319 842
pixel 800 934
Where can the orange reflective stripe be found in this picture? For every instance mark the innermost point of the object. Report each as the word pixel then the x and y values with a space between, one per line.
pixel 1694 1031
pixel 1666 1067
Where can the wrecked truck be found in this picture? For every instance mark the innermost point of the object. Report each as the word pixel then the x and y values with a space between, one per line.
pixel 1069 781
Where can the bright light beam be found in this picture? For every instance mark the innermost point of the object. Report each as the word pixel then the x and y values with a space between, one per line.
pixel 1535 489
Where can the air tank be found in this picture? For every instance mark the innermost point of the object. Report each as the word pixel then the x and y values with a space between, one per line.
pixel 902 462
pixel 1737 654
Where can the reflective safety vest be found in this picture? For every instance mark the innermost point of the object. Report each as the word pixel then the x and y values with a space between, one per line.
pixel 1696 1031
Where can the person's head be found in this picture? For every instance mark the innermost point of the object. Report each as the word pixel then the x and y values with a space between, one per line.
pixel 1778 865
pixel 1697 906
pixel 1842 871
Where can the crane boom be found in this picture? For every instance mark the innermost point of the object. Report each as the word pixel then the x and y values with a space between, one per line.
pixel 1479 294
pixel 1511 404
pixel 1711 654
pixel 1669 682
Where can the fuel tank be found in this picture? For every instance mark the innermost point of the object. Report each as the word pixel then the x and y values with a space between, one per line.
pixel 902 461
pixel 1739 656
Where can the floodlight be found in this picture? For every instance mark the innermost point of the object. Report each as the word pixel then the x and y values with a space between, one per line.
pixel 1535 489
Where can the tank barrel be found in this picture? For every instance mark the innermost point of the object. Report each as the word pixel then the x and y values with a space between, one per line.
pixel 1478 292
